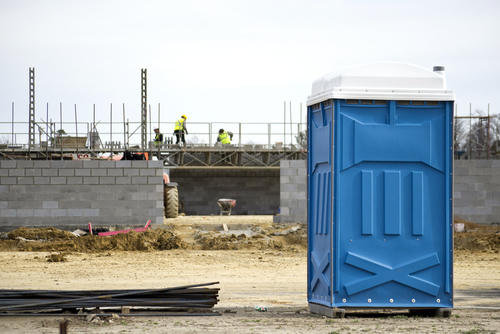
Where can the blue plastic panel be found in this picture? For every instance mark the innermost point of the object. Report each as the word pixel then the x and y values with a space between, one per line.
pixel 387 240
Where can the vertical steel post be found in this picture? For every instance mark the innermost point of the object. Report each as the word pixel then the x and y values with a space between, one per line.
pixel 60 128
pixel 470 131
pixel 111 128
pixel 239 136
pixel 144 108
pixel 488 134
pixel 268 136
pixel 12 143
pixel 76 131
pixel 32 109
pixel 291 130
pixel 284 124
pixel 210 134
pixel 125 146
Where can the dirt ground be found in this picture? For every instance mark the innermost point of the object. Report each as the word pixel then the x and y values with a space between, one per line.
pixel 256 262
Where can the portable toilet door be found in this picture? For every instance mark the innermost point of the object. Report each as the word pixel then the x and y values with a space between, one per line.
pixel 380 163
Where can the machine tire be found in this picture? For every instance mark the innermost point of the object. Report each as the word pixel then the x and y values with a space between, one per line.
pixel 171 202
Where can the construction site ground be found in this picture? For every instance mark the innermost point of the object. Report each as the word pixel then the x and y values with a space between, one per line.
pixel 256 262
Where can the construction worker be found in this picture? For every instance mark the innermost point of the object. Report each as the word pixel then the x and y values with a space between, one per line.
pixel 224 137
pixel 158 137
pixel 180 128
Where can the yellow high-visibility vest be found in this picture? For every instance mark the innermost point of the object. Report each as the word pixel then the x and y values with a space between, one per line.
pixel 179 124
pixel 224 138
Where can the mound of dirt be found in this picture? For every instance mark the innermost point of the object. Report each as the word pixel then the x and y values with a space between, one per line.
pixel 217 241
pixel 150 240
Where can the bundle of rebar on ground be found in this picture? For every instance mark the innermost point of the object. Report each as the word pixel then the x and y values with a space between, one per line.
pixel 183 297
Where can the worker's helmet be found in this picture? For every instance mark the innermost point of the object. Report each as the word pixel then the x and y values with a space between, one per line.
pixel 221 130
pixel 155 129
pixel 184 116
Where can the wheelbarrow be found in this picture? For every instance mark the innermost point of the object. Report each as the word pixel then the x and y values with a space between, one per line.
pixel 226 205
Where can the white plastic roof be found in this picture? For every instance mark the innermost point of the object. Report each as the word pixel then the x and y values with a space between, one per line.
pixel 383 81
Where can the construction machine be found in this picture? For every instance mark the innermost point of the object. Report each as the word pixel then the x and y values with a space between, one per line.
pixel 170 197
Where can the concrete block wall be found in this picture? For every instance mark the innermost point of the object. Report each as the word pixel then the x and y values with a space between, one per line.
pixel 476 193
pixel 66 193
pixel 293 192
pixel 256 190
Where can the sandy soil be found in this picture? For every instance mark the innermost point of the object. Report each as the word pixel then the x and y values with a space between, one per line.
pixel 255 262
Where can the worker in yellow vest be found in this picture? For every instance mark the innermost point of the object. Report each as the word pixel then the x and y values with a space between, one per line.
pixel 224 137
pixel 180 129
pixel 158 137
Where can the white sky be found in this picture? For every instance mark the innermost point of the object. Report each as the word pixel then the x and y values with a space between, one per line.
pixel 231 60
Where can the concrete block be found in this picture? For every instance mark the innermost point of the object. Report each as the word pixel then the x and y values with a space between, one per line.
pixel 4 189
pixel 460 186
pixel 82 172
pixel 139 196
pixel 302 203
pixel 491 171
pixel 75 212
pixel 289 187
pixel 91 212
pixel 8 180
pixel 4 204
pixel 298 195
pixel 155 212
pixel 466 163
pixel 75 204
pixel 123 164
pixel 297 211
pixel 148 172
pixel 41 213
pixel 91 180
pixel 461 170
pixel 289 171
pixel 106 180
pixel 41 164
pixel 99 172
pixel 457 194
pixel 285 195
pixel 480 210
pixel 159 172
pixel 58 163
pixel 4 172
pixel 155 164
pixel 159 205
pixel 58 213
pixel 74 180
pixel 107 164
pixel 17 204
pixel 57 180
pixel 139 180
pixel 8 213
pixel 50 172
pixel 131 172
pixel 284 179
pixel 34 204
pixel 140 163
pixel 115 172
pixel 155 196
pixel 469 179
pixel 155 180
pixel 74 164
pixel 66 172
pixel 495 164
pixel 50 205
pixel 492 202
pixel 33 172
pixel 298 163
pixel 8 163
pixel 90 164
pixel 16 172
pixel 302 172
pixel 284 164
pixel 124 212
pixel 484 163
pixel 298 179
pixel 123 180
pixel 25 180
pixel 25 213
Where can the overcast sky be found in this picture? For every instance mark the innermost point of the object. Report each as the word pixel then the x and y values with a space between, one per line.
pixel 231 60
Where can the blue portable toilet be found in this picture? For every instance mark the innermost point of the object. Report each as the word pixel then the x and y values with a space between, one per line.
pixel 380 163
